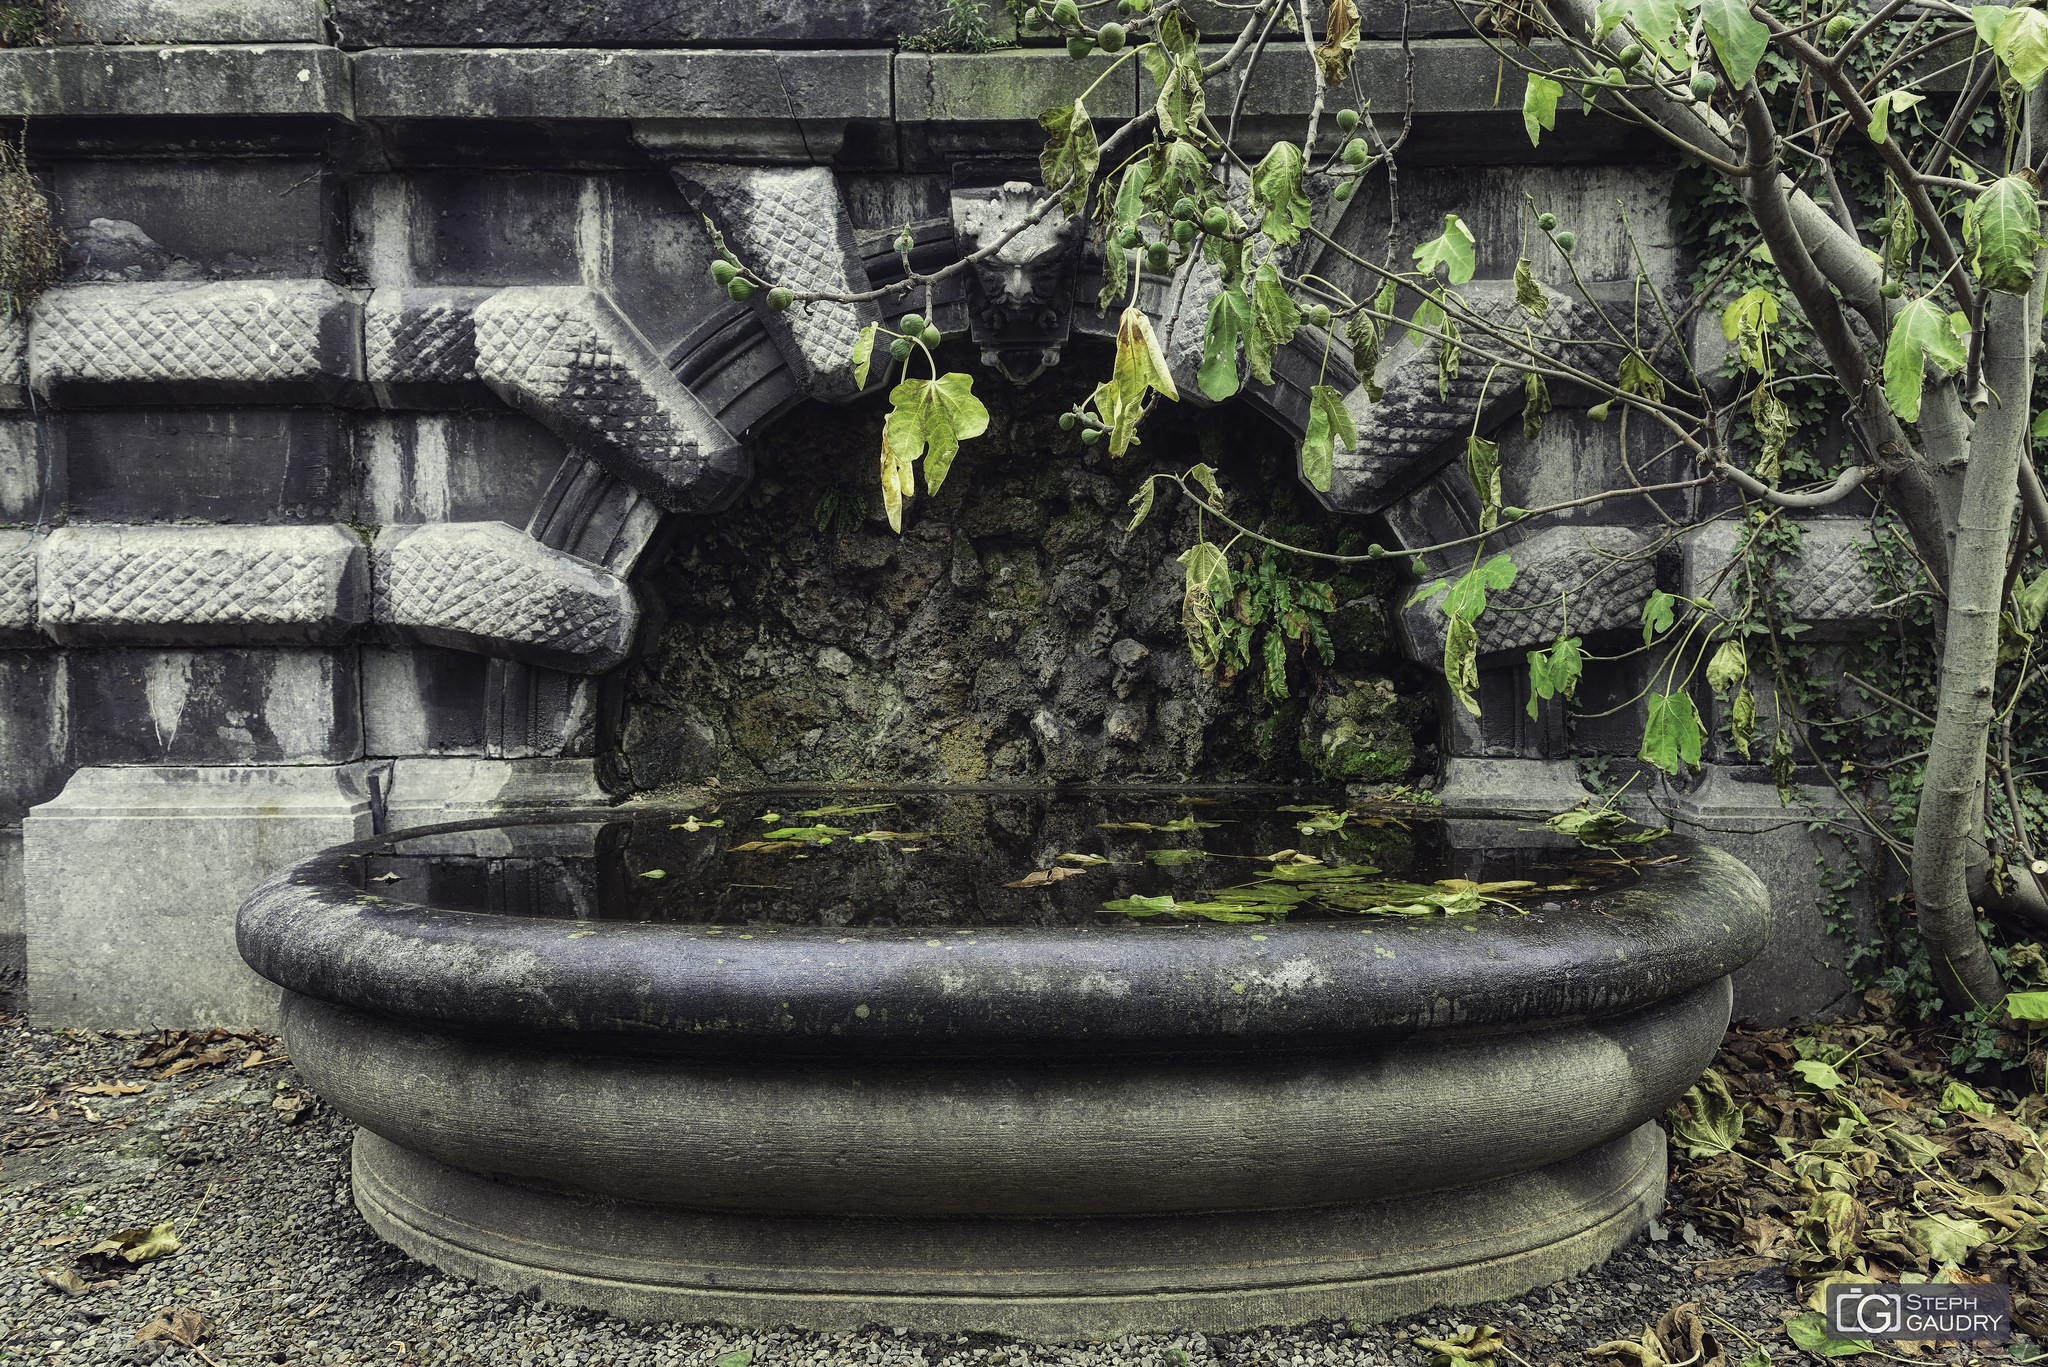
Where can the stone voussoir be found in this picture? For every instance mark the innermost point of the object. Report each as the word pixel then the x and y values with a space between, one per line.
pixel 790 225
pixel 489 588
pixel 1590 578
pixel 567 357
pixel 264 341
pixel 200 585
pixel 1417 426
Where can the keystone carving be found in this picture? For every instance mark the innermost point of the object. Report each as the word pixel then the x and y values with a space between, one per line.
pixel 269 341
pixel 1021 308
pixel 200 585
pixel 565 356
pixel 790 225
pixel 490 588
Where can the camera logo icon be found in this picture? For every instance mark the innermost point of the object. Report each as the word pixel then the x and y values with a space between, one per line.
pixel 1866 1311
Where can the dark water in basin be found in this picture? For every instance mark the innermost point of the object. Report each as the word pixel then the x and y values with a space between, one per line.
pixel 952 858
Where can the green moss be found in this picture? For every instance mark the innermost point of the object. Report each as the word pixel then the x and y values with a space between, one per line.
pixel 1363 732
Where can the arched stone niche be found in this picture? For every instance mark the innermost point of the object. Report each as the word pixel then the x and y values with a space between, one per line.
pixel 356 466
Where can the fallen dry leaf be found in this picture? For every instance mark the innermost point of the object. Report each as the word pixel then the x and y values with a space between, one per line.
pixel 186 1328
pixel 59 1240
pixel 1042 877
pixel 67 1281
pixel 108 1088
pixel 252 1058
pixel 138 1245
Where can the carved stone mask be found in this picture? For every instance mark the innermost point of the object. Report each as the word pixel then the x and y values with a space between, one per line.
pixel 1023 295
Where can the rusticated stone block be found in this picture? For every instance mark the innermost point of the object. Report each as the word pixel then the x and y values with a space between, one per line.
pixel 1830 587
pixel 13 360
pixel 789 224
pixel 1592 578
pixel 268 341
pixel 419 345
pixel 190 21
pixel 489 588
pixel 200 585
pixel 18 589
pixel 1417 427
pixel 565 355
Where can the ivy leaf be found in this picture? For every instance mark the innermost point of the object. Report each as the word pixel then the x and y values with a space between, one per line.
pixel 1461 662
pixel 1638 376
pixel 1657 614
pixel 1921 332
pixel 1070 155
pixel 1555 673
pixel 1452 249
pixel 1276 187
pixel 2022 44
pixel 1529 296
pixel 1482 466
pixel 863 355
pixel 1274 321
pixel 1739 39
pixel 1328 422
pixel 1340 40
pixel 1672 736
pixel 1535 403
pixel 1230 312
pixel 2003 229
pixel 1884 106
pixel 1539 106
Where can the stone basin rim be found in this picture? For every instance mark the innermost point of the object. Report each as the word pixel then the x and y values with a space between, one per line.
pixel 670 985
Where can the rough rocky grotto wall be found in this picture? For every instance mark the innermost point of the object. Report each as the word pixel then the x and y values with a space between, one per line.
pixel 1015 631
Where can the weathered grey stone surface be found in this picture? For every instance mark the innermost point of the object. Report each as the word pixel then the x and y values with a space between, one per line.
pixel 711 23
pixel 487 464
pixel 789 225
pixel 488 587
pixel 236 465
pixel 422 791
pixel 566 356
pixel 1830 586
pixel 285 341
pixel 18 589
pixel 189 21
pixel 275 80
pixel 195 585
pixel 1520 787
pixel 214 706
pixel 13 360
pixel 122 937
pixel 419 345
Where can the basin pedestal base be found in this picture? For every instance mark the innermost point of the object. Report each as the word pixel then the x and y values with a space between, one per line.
pixel 1048 1279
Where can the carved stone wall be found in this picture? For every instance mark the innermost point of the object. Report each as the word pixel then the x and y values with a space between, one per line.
pixel 385 400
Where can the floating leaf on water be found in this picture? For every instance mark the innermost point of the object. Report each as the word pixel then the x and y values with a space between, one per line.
pixel 387 878
pixel 841 809
pixel 1176 856
pixel 655 873
pixel 767 847
pixel 1142 906
pixel 770 817
pixel 809 835
pixel 876 837
pixel 693 824
pixel 1188 823
pixel 1086 860
pixel 1041 878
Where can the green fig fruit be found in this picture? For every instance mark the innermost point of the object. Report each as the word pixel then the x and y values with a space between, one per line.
pixel 1184 207
pixel 1566 241
pixel 1839 27
pixel 1347 120
pixel 904 243
pixel 1344 188
pixel 723 272
pixel 1080 46
pixel 1216 221
pixel 1598 412
pixel 741 290
pixel 1110 37
pixel 1375 550
pixel 1356 153
pixel 900 348
pixel 1066 422
pixel 1546 222
pixel 1629 56
pixel 1129 236
pixel 911 325
pixel 1890 289
pixel 781 297
pixel 1183 230
pixel 1704 85
pixel 1157 259
pixel 1067 14
pixel 1318 316
pixel 932 338
pixel 1091 435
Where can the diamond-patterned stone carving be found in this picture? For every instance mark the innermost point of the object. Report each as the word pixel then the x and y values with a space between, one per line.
pixel 18 590
pixel 490 588
pixel 1415 429
pixel 420 344
pixel 564 355
pixel 790 225
pixel 13 360
pixel 1829 587
pixel 200 585
pixel 1601 574
pixel 269 341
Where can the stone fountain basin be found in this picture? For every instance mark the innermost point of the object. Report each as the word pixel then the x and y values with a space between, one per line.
pixel 1047 1131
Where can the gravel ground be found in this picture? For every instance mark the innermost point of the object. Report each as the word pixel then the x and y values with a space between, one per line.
pixel 254 1173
